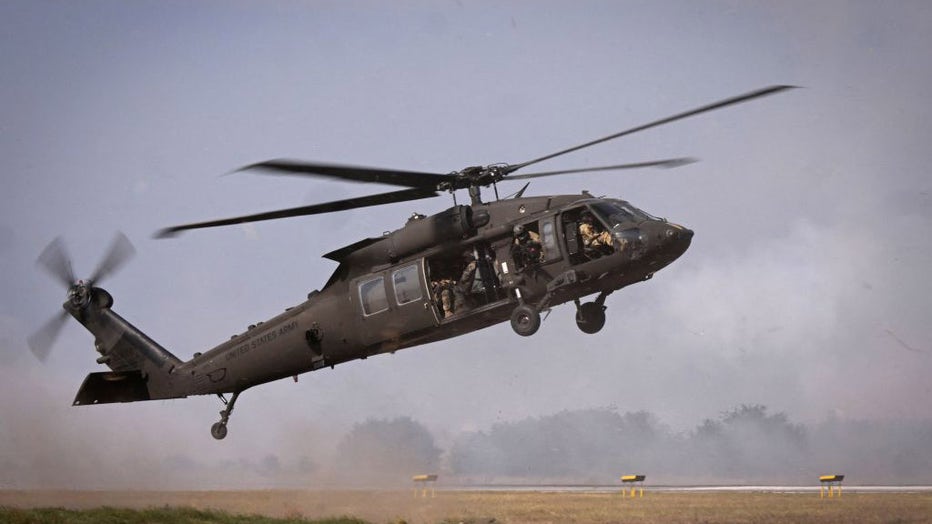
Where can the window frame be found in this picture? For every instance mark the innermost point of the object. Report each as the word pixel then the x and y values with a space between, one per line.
pixel 415 278
pixel 363 303
pixel 551 249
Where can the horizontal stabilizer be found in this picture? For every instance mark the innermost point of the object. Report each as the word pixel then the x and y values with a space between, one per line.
pixel 112 386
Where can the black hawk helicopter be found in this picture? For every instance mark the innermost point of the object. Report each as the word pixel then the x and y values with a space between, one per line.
pixel 438 277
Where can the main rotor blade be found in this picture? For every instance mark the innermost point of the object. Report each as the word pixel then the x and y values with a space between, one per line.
pixel 711 107
pixel 669 163
pixel 315 209
pixel 393 177
pixel 55 260
pixel 121 250
pixel 40 342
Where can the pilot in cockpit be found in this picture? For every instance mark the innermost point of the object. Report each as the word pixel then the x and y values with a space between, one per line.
pixel 595 239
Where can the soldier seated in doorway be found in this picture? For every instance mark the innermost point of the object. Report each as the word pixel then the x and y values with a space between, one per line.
pixel 443 291
pixel 526 250
pixel 443 286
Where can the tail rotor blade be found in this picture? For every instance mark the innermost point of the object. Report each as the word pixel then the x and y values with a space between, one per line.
pixel 55 260
pixel 40 342
pixel 119 252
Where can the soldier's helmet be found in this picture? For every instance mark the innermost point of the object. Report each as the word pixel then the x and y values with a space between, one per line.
pixel 587 217
pixel 519 230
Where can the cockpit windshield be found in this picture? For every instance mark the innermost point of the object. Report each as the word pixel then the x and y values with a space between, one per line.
pixel 617 212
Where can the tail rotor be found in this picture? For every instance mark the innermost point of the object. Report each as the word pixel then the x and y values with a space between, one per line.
pixel 118 253
pixel 55 260
pixel 41 342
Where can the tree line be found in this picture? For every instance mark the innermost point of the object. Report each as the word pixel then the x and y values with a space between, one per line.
pixel 745 444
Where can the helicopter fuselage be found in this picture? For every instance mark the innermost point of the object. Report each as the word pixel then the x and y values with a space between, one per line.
pixel 388 293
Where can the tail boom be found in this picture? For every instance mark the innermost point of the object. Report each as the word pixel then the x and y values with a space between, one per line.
pixel 141 368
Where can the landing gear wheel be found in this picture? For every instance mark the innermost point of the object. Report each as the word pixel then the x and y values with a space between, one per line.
pixel 525 320
pixel 218 430
pixel 590 317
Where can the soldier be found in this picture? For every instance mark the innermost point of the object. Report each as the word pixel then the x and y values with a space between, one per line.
pixel 464 287
pixel 443 293
pixel 527 248
pixel 599 241
pixel 468 278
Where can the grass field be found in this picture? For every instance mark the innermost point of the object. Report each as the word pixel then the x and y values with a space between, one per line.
pixel 461 506
pixel 148 516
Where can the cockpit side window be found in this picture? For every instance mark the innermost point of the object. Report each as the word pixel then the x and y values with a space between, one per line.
pixel 618 212
pixel 614 214
pixel 586 234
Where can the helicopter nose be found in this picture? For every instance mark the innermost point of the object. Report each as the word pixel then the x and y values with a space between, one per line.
pixel 676 233
pixel 667 240
pixel 677 238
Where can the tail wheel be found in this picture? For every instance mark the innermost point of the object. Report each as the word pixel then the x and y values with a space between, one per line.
pixel 218 430
pixel 590 317
pixel 525 320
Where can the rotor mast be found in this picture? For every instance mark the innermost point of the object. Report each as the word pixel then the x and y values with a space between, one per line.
pixel 475 195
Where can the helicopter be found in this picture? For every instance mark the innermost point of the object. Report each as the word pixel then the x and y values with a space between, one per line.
pixel 466 268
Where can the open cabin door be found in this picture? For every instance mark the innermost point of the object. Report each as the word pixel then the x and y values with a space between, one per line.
pixel 464 283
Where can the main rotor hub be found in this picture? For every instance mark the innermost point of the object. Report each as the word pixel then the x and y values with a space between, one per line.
pixel 473 178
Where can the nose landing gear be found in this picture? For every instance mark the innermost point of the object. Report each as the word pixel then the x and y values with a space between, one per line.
pixel 525 319
pixel 219 429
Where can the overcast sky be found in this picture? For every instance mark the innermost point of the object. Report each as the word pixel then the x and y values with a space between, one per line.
pixel 806 287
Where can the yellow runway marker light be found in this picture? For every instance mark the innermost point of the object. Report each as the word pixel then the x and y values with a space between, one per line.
pixel 636 482
pixel 427 481
pixel 833 482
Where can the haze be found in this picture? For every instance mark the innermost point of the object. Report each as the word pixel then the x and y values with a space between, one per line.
pixel 806 288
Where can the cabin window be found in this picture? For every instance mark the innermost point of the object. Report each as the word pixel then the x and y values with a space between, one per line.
pixel 372 296
pixel 407 286
pixel 548 239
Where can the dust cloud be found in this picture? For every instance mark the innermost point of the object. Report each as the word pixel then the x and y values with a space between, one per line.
pixel 52 446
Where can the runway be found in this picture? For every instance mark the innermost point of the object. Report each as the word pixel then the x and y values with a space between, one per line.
pixel 611 488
